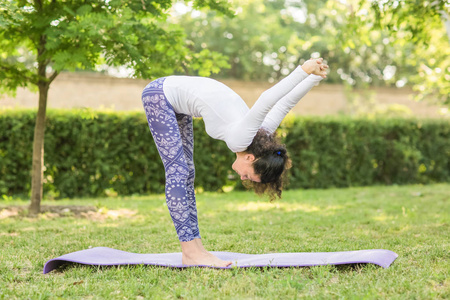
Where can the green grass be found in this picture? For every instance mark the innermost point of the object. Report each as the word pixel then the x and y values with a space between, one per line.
pixel 411 220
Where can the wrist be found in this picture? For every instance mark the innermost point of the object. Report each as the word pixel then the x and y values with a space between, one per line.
pixel 307 70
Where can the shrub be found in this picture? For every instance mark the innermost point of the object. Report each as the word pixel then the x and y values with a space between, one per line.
pixel 91 153
pixel 354 152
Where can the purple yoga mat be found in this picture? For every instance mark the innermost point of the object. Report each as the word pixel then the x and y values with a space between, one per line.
pixel 102 256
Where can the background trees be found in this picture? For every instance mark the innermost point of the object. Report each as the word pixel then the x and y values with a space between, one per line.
pixel 366 42
pixel 422 28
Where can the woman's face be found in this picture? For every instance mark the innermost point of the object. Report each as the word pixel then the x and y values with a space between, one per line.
pixel 243 165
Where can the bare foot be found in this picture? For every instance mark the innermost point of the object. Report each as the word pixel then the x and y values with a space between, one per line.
pixel 203 259
pixel 194 254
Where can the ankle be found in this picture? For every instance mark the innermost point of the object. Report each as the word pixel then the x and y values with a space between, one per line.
pixel 190 248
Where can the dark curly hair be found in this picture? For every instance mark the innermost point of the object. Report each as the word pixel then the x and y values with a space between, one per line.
pixel 271 163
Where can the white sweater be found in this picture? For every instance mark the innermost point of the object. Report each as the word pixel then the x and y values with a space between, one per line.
pixel 226 115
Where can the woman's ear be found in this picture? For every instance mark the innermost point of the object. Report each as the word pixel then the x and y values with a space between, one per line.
pixel 249 157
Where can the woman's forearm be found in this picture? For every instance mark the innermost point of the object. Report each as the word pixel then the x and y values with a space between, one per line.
pixel 282 108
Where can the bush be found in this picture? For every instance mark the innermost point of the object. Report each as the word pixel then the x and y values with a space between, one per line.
pixel 349 152
pixel 96 153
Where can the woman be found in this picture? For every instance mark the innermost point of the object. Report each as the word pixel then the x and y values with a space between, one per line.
pixel 171 102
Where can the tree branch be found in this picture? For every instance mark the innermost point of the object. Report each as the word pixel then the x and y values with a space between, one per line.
pixel 38 4
pixel 52 77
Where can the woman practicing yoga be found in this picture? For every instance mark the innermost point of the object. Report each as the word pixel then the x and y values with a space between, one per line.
pixel 171 102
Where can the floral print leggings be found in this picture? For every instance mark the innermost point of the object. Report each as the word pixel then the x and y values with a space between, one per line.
pixel 174 137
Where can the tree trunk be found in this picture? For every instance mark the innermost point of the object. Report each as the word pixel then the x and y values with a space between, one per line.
pixel 37 172
pixel 43 83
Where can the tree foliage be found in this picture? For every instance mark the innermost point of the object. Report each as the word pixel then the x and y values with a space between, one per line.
pixel 362 44
pixel 420 27
pixel 70 35
pixel 411 18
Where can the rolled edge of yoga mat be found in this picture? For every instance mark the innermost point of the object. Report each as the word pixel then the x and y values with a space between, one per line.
pixel 103 256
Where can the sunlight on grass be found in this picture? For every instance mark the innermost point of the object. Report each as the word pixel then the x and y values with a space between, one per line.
pixel 114 214
pixel 283 206
pixel 266 206
pixel 383 218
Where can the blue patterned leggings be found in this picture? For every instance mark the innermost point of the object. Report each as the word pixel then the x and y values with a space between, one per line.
pixel 174 138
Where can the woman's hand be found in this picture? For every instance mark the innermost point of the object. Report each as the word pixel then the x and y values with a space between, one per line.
pixel 316 67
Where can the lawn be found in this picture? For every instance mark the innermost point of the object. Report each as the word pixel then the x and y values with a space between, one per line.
pixel 412 221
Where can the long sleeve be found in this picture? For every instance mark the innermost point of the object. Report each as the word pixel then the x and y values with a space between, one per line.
pixel 284 106
pixel 269 98
pixel 241 134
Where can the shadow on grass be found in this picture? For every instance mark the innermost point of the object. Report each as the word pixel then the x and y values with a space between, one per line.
pixel 61 211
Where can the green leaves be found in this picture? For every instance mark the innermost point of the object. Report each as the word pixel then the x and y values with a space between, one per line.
pixel 207 62
pixel 417 29
pixel 224 7
pixel 71 35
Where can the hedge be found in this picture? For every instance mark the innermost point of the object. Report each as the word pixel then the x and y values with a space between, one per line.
pixel 349 152
pixel 91 153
